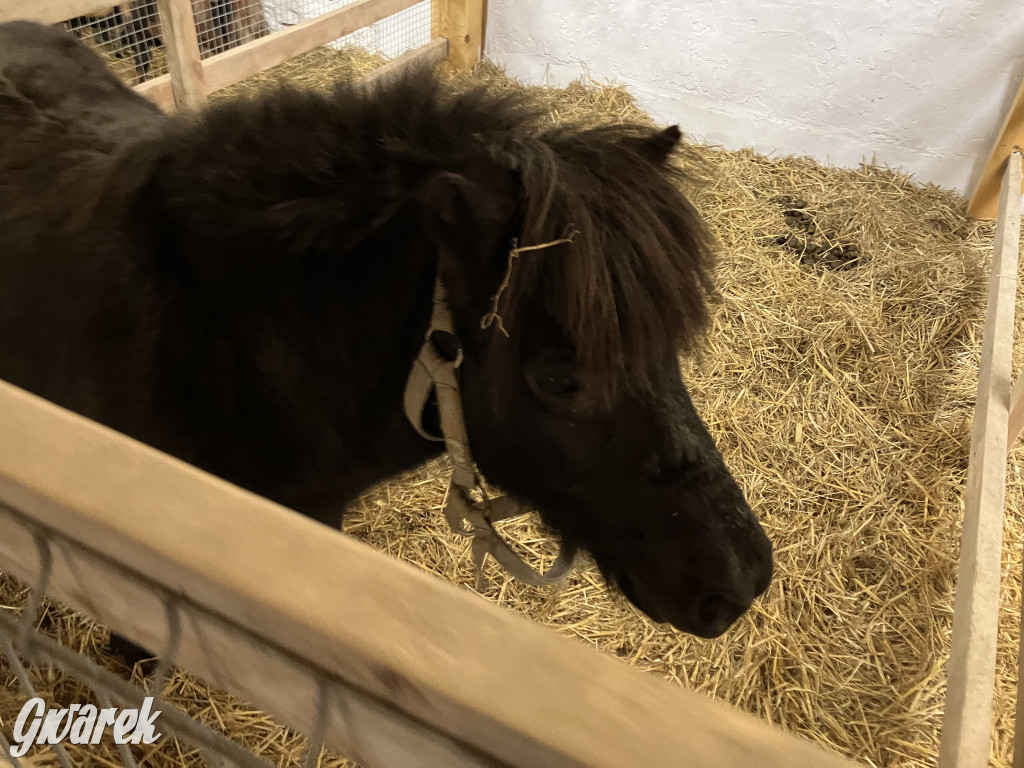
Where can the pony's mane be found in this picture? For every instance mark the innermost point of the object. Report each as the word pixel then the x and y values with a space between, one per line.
pixel 631 287
pixel 633 284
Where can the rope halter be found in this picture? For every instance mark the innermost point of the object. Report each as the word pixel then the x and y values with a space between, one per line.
pixel 469 510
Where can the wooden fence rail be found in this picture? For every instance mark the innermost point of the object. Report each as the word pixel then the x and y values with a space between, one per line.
pixel 967 724
pixel 421 672
pixel 191 79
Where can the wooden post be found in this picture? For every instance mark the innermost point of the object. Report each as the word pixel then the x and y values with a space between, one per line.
pixel 967 724
pixel 461 22
pixel 184 62
pixel 984 202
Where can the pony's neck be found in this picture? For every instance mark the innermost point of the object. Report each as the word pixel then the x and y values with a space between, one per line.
pixel 298 254
pixel 296 306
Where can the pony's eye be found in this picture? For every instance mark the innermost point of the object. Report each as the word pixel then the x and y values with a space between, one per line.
pixel 558 385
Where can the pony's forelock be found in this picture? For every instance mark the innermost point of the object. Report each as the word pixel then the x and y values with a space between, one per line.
pixel 631 285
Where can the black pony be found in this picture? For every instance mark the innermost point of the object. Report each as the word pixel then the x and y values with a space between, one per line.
pixel 248 288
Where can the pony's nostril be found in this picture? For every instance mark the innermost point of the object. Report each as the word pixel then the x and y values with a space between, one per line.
pixel 717 612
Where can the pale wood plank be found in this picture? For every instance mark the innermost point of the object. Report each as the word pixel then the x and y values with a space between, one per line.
pixel 158 90
pixel 984 201
pixel 225 655
pixel 231 66
pixel 184 62
pixel 462 23
pixel 460 667
pixel 1016 419
pixel 433 52
pixel 967 723
pixel 51 11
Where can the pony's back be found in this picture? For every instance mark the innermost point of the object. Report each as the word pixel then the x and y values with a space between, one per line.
pixel 66 268
pixel 54 87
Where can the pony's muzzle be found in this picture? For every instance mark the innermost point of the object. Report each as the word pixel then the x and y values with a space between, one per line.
pixel 725 595
pixel 713 612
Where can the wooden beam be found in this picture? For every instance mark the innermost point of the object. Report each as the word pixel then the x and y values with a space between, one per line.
pixel 432 53
pixel 184 62
pixel 984 202
pixel 158 90
pixel 239 63
pixel 433 666
pixel 51 11
pixel 224 654
pixel 1016 419
pixel 967 723
pixel 461 22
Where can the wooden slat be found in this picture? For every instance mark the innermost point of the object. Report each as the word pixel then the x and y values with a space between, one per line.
pixel 433 52
pixel 224 655
pixel 967 724
pixel 984 202
pixel 158 90
pixel 51 11
pixel 1016 419
pixel 238 63
pixel 462 23
pixel 477 679
pixel 184 62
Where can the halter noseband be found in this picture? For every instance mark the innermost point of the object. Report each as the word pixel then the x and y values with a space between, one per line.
pixel 468 504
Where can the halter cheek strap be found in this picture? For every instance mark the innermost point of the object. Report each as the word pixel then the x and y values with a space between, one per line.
pixel 467 505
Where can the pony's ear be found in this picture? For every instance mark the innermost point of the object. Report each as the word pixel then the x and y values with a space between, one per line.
pixel 452 197
pixel 471 215
pixel 659 146
pixel 448 195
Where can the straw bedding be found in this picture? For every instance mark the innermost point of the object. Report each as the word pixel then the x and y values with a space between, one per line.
pixel 839 380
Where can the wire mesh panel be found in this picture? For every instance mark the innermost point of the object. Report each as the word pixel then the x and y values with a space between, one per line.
pixel 225 24
pixel 52 655
pixel 390 37
pixel 129 37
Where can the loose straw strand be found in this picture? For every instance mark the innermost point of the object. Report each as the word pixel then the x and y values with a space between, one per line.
pixel 491 317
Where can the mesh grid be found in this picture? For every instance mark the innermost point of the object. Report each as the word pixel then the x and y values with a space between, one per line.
pixel 35 662
pixel 128 37
pixel 225 24
pixel 390 37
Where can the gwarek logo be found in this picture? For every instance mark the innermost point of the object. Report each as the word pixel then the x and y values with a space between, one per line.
pixel 82 725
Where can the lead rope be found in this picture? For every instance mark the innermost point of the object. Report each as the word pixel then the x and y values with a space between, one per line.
pixel 468 504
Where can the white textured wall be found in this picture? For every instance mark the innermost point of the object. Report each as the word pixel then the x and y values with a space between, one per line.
pixel 917 84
